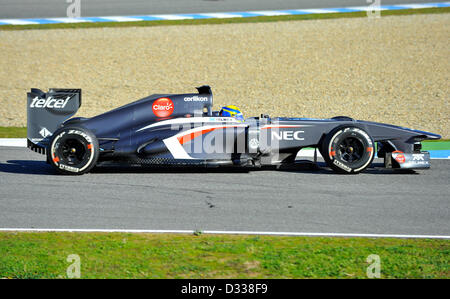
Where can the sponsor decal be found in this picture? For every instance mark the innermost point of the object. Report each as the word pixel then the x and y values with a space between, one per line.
pixel 162 107
pixel 50 102
pixel 196 99
pixel 68 168
pixel 45 133
pixel 342 166
pixel 222 119
pixel 399 157
pixel 287 135
pixel 253 143
pixel 84 135
pixel 418 157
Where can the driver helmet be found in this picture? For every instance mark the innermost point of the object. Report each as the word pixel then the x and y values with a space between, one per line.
pixel 232 111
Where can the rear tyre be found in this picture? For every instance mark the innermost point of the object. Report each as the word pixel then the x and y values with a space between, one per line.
pixel 73 150
pixel 348 150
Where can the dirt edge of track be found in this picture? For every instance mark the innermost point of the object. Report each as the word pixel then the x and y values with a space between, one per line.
pixel 392 69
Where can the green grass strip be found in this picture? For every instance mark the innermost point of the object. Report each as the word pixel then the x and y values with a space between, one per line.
pixel 436 145
pixel 225 21
pixel 13 132
pixel 125 255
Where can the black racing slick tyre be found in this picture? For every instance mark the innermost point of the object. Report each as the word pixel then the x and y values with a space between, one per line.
pixel 348 150
pixel 73 150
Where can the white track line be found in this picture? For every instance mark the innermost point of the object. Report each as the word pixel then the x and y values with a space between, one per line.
pixel 269 13
pixel 70 20
pixel 213 232
pixel 221 15
pixel 368 8
pixel 121 19
pixel 316 11
pixel 172 17
pixel 18 22
pixel 19 142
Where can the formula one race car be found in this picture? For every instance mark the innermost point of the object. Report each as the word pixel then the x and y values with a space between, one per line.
pixel 182 130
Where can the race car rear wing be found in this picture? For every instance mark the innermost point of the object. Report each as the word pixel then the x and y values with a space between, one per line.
pixel 46 111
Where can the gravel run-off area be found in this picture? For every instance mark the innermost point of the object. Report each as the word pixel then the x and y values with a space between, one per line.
pixel 392 69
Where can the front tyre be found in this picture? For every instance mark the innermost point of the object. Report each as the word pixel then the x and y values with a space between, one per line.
pixel 348 150
pixel 73 150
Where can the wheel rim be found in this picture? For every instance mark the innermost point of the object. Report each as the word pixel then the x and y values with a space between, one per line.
pixel 72 151
pixel 351 149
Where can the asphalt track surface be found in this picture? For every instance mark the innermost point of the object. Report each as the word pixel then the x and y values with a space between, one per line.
pixel 378 201
pixel 92 8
